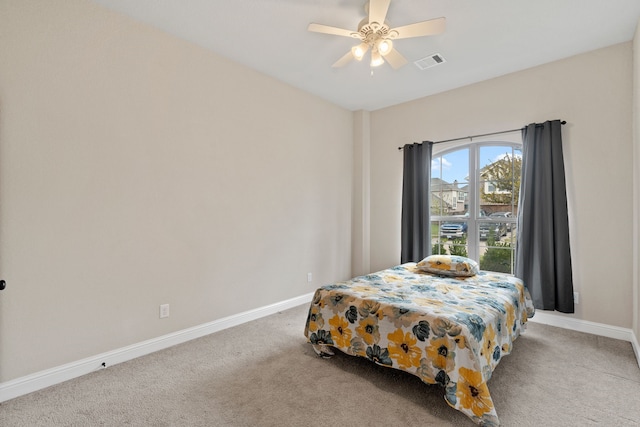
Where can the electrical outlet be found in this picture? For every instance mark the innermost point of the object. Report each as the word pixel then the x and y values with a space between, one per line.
pixel 576 298
pixel 309 277
pixel 164 311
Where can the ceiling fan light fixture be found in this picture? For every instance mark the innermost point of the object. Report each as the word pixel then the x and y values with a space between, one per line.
pixel 384 46
pixel 359 51
pixel 376 58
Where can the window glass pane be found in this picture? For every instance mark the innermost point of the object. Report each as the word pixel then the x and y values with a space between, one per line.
pixel 499 184
pixel 497 252
pixel 453 243
pixel 450 202
pixel 450 184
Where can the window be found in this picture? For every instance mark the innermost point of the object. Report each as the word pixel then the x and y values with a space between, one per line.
pixel 485 177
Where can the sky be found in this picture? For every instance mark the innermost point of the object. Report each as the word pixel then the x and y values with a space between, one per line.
pixel 455 165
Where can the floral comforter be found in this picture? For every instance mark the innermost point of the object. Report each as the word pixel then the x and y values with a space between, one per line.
pixel 445 330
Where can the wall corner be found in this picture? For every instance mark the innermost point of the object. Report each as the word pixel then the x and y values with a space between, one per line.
pixel 361 243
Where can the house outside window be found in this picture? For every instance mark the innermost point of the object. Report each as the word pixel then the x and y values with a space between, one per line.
pixel 480 221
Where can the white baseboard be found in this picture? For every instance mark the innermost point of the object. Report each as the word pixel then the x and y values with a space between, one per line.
pixel 549 318
pixel 39 380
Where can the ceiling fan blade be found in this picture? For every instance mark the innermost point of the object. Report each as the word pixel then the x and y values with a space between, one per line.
pixel 378 10
pixel 343 61
pixel 395 59
pixel 325 29
pixel 419 29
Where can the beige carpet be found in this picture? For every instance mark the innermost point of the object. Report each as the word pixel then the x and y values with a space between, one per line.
pixel 264 374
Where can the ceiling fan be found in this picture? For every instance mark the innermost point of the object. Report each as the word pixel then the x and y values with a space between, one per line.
pixel 375 34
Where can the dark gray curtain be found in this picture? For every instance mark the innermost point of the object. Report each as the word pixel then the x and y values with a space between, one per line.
pixel 543 255
pixel 416 178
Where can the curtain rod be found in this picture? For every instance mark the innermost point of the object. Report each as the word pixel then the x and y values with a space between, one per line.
pixel 563 122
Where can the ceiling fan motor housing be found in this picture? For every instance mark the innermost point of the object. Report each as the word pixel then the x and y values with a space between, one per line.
pixel 373 33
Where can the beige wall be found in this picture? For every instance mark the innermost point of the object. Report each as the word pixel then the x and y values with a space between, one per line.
pixel 592 92
pixel 137 170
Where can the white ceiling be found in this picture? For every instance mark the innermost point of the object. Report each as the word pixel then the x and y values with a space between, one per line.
pixel 483 39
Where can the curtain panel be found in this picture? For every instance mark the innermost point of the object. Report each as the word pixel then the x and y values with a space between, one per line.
pixel 416 196
pixel 543 254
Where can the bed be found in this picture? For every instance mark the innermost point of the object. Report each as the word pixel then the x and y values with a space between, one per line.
pixel 446 328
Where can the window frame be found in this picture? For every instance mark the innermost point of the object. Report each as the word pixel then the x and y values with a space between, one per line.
pixel 472 196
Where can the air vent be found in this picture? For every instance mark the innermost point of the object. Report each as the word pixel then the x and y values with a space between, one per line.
pixel 429 61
